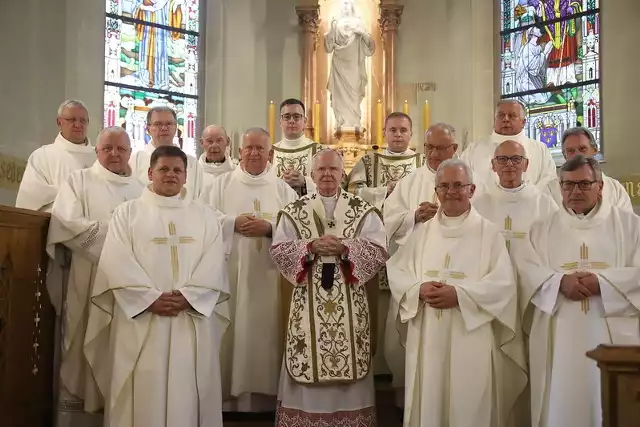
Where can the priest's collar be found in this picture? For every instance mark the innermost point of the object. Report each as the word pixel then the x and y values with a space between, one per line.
pixel 459 225
pixel 497 138
pixel 597 215
pixel 267 176
pixel 406 152
pixel 105 173
pixel 511 194
pixel 514 189
pixel 178 201
pixel 67 145
pixel 296 143
pixel 329 198
pixel 215 162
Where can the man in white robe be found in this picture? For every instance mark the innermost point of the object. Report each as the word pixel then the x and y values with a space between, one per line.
pixel 579 288
pixel 80 220
pixel 328 246
pixel 580 140
pixel 292 155
pixel 508 125
pixel 157 311
pixel 50 165
pixel 456 289
pixel 513 204
pixel 162 125
pixel 412 202
pixel 249 199
pixel 216 158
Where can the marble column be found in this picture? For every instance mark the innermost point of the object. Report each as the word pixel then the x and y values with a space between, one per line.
pixel 309 21
pixel 389 22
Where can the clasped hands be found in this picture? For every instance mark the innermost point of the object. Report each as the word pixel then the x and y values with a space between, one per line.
pixel 391 185
pixel 579 285
pixel 425 211
pixel 294 178
pixel 169 304
pixel 250 226
pixel 328 245
pixel 438 295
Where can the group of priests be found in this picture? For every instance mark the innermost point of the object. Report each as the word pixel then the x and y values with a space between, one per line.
pixel 187 287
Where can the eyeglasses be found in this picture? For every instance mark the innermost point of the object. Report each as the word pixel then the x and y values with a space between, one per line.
pixel 456 187
pixel 216 141
pixel 109 149
pixel 295 117
pixel 515 160
pixel 163 124
pixel 582 185
pixel 429 148
pixel 74 120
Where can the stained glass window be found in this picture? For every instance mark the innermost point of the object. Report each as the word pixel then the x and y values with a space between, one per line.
pixel 550 61
pixel 151 59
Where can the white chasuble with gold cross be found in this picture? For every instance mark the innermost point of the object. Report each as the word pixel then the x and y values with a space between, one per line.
pixel 514 210
pixel 465 366
pixel 157 370
pixel 296 155
pixel 251 358
pixel 565 385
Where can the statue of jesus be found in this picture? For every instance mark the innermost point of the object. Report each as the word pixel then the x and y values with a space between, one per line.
pixel 350 44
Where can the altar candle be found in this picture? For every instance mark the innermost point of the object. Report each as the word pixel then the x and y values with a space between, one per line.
pixel 316 121
pixel 405 107
pixel 272 121
pixel 426 119
pixel 379 124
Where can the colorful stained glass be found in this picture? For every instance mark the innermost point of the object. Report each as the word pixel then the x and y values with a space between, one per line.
pixel 554 68
pixel 128 108
pixel 172 13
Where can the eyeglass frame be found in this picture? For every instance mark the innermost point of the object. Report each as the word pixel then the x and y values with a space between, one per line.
pixel 297 117
pixel 162 125
pixel 509 158
pixel 457 187
pixel 438 149
pixel 585 183
pixel 73 120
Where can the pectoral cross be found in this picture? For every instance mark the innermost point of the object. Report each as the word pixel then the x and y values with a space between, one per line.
pixel 173 241
pixel 509 234
pixel 443 275
pixel 584 265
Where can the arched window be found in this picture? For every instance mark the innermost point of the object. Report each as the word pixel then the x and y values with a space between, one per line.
pixel 550 60
pixel 151 59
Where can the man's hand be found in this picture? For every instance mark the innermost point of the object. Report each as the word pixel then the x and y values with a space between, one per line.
pixel 169 304
pixel 427 287
pixel 294 178
pixel 391 185
pixel 442 297
pixel 241 221
pixel 425 211
pixel 255 227
pixel 589 281
pixel 327 246
pixel 571 287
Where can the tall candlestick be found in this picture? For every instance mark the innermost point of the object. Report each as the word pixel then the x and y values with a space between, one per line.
pixel 405 107
pixel 426 119
pixel 316 121
pixel 379 124
pixel 272 122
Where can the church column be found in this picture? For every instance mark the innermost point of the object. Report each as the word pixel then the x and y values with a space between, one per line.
pixel 389 22
pixel 309 21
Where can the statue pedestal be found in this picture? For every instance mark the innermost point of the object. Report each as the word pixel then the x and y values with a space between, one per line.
pixel 353 144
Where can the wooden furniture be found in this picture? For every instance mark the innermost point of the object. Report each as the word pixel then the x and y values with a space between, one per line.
pixel 620 379
pixel 27 321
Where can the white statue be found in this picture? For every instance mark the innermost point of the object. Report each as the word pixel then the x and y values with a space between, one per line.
pixel 351 44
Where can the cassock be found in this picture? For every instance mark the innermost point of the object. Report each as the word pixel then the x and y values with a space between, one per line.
pixel 612 192
pixel 465 365
pixel 80 220
pixel 213 170
pixel 326 378
pixel 157 370
pixel 47 168
pixel 139 163
pixel 251 359
pixel 565 385
pixel 513 210
pixel 541 169
pixel 296 154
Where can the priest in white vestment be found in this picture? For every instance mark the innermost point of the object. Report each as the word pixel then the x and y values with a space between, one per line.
pixel 162 125
pixel 513 204
pixel 292 155
pixel 508 125
pixel 456 289
pixel 79 220
pixel 412 202
pixel 49 166
pixel 216 157
pixel 158 311
pixel 579 288
pixel 580 140
pixel 328 246
pixel 249 199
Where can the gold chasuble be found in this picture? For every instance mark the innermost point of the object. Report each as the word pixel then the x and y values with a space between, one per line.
pixel 378 169
pixel 298 159
pixel 330 333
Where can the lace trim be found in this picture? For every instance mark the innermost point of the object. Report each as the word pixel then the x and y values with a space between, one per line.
pixel 369 257
pixel 286 417
pixel 291 259
pixel 91 237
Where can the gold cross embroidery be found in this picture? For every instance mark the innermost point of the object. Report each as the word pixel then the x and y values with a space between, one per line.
pixel 443 275
pixel 509 234
pixel 257 212
pixel 584 265
pixel 173 240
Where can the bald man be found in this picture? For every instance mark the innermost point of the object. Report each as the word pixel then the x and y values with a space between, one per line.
pixel 216 158
pixel 79 221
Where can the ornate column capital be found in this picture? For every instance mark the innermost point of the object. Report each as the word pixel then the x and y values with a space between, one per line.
pixel 390 17
pixel 309 18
